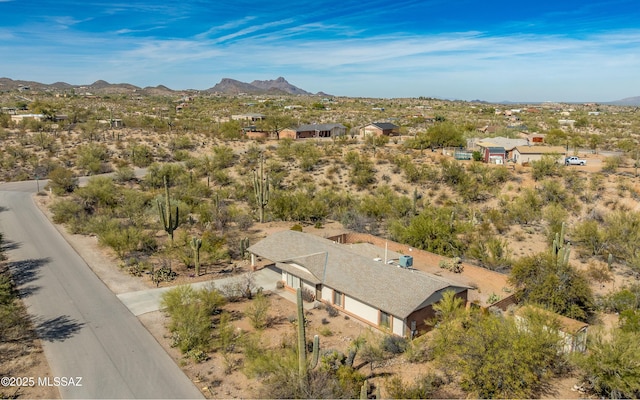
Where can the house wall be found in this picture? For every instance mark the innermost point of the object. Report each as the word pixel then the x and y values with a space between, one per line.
pixel 363 311
pixel 420 316
pixel 257 135
pixel 524 158
pixel 288 134
pixel 372 130
pixel 398 326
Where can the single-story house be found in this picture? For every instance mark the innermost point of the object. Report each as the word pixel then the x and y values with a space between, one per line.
pixel 17 118
pixel 527 154
pixel 573 333
pixel 314 131
pixel 381 128
pixel 248 117
pixel 384 295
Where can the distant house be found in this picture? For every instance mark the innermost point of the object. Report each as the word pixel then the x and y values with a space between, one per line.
pixel 572 332
pixel 17 118
pixel 386 296
pixel 381 128
pixel 499 141
pixel 248 117
pixel 526 154
pixel 314 131
pixel 494 155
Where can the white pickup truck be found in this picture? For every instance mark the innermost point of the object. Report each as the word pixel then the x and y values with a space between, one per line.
pixel 574 161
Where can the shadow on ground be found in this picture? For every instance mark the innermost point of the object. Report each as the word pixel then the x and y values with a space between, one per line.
pixel 57 329
pixel 24 272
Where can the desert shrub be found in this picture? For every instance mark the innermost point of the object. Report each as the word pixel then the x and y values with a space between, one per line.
pixel 394 344
pixel 611 164
pixel 190 311
pixel 258 311
pixel 325 331
pixel 99 192
pixel 627 298
pixel 417 352
pixel 547 166
pixel 453 265
pixel 140 155
pixel 124 174
pixel 610 368
pixel 66 211
pixel 423 387
pixel 308 295
pixel 62 181
pixel 332 311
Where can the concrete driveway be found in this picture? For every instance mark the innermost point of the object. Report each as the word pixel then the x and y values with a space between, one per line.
pixel 144 301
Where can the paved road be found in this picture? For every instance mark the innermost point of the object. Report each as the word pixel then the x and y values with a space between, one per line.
pixel 86 331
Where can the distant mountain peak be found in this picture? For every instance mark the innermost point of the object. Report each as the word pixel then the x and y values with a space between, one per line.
pixel 279 85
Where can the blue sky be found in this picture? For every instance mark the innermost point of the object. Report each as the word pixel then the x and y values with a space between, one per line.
pixel 562 50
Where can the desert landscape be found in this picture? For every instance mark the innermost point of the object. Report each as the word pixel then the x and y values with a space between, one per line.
pixel 196 178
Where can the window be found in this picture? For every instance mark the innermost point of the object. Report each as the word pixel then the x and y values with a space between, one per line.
pixel 337 298
pixel 293 281
pixel 385 320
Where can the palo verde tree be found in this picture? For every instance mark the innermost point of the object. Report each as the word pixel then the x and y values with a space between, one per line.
pixel 548 279
pixel 493 356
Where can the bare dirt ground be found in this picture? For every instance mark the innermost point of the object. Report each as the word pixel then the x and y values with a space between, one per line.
pixel 26 359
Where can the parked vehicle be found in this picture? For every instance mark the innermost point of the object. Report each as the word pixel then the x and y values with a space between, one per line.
pixel 575 161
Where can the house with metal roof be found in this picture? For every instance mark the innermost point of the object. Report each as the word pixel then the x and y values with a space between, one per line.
pixel 314 131
pixel 381 128
pixel 388 295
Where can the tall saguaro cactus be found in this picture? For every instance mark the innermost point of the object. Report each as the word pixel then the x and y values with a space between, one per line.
pixel 560 249
pixel 261 188
pixel 196 244
pixel 303 366
pixel 169 221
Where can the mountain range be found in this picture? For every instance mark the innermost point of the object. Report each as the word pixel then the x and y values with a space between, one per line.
pixel 278 86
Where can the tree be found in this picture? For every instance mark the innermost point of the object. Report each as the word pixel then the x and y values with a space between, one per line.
pixel 445 134
pixel 62 181
pixel 190 311
pixel 276 122
pixel 435 229
pixel 612 367
pixel 495 357
pixel 449 308
pixel 540 279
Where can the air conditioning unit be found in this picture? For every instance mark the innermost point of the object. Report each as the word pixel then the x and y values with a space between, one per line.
pixel 406 261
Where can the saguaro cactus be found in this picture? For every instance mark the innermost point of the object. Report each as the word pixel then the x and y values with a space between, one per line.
pixel 169 221
pixel 364 390
pixel 196 244
pixel 244 245
pixel 560 250
pixel 303 366
pixel 261 189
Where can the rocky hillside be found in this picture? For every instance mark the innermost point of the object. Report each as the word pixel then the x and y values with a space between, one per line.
pixel 277 86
